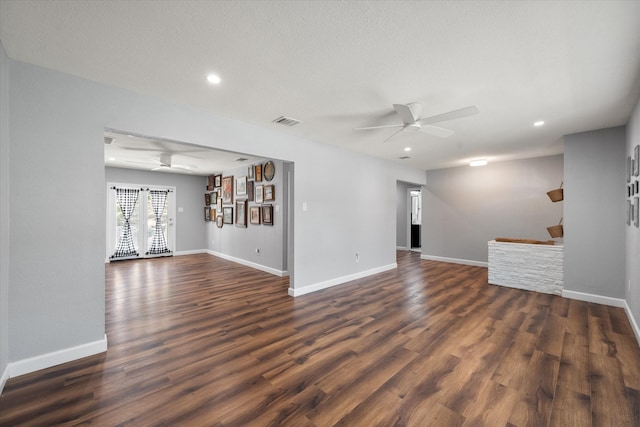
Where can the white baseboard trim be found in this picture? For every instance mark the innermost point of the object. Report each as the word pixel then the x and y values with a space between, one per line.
pixel 632 320
pixel 296 292
pixel 598 299
pixel 270 270
pixel 402 248
pixel 4 378
pixel 48 360
pixel 192 252
pixel 455 260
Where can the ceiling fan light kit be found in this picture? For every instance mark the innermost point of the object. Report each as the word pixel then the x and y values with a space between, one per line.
pixel 411 121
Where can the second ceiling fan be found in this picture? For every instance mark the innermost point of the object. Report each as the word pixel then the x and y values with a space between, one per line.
pixel 411 121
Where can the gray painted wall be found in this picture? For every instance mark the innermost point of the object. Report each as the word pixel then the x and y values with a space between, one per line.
pixel 402 215
pixel 56 125
pixel 632 234
pixel 190 235
pixel 4 212
pixel 240 242
pixel 463 208
pixel 594 169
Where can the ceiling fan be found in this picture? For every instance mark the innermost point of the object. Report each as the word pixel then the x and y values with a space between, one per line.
pixel 165 163
pixel 411 121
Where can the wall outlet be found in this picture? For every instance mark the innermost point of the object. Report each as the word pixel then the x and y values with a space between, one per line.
pixel 357 257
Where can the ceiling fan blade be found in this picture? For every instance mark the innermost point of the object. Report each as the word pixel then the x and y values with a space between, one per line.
pixel 380 127
pixel 436 131
pixel 393 134
pixel 409 113
pixel 455 114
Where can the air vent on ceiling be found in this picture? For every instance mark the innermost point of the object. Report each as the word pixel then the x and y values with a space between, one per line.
pixel 241 159
pixel 286 121
pixel 108 139
pixel 404 157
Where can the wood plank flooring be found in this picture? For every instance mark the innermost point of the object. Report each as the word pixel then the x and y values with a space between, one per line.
pixel 199 341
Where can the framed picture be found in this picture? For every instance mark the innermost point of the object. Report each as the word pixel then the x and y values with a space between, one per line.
pixel 269 193
pixel 254 214
pixel 636 160
pixel 259 194
pixel 258 173
pixel 629 168
pixel 267 214
pixel 207 214
pixel 629 212
pixel 219 204
pixel 217 181
pixel 250 172
pixel 213 214
pixel 636 211
pixel 269 170
pixel 210 180
pixel 241 213
pixel 219 221
pixel 227 214
pixel 241 186
pixel 227 190
pixel 251 191
pixel 207 199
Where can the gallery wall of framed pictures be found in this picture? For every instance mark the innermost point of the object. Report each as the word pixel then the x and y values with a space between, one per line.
pixel 242 200
pixel 632 188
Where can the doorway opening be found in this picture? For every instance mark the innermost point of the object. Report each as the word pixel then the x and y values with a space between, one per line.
pixel 416 219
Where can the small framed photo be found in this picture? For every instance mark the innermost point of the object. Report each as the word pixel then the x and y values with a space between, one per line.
pixel 254 214
pixel 267 214
pixel 219 204
pixel 210 181
pixel 636 211
pixel 251 191
pixel 258 173
pixel 227 190
pixel 227 214
pixel 241 186
pixel 207 199
pixel 219 221
pixel 250 172
pixel 217 181
pixel 636 160
pixel 241 213
pixel 269 193
pixel 629 212
pixel 629 168
pixel 213 214
pixel 259 194
pixel 207 214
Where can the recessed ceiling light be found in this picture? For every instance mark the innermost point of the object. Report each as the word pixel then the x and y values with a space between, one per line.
pixel 214 79
pixel 538 123
pixel 407 149
pixel 478 162
pixel 112 158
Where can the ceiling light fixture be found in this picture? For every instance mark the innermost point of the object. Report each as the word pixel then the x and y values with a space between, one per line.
pixel 407 149
pixel 478 162
pixel 538 123
pixel 214 79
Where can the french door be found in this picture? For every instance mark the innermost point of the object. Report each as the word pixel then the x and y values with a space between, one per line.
pixel 140 221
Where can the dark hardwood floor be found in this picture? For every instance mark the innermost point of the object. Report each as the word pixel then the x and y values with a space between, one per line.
pixel 200 341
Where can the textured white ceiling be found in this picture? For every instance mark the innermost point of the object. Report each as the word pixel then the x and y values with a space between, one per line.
pixel 337 65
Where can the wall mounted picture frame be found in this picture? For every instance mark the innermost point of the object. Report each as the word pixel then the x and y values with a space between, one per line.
pixel 227 190
pixel 213 214
pixel 259 194
pixel 207 199
pixel 219 204
pixel 251 191
pixel 217 181
pixel 207 214
pixel 636 211
pixel 267 214
pixel 258 173
pixel 636 160
pixel 629 212
pixel 629 168
pixel 250 172
pixel 241 213
pixel 269 193
pixel 254 215
pixel 227 214
pixel 241 186
pixel 219 221
pixel 269 170
pixel 210 181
